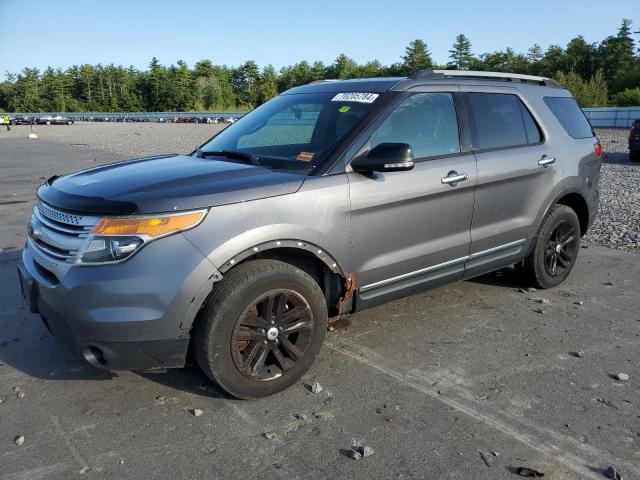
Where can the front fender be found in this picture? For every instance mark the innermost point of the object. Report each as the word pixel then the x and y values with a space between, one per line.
pixel 317 217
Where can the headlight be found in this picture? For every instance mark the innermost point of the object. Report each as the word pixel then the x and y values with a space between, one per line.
pixel 117 238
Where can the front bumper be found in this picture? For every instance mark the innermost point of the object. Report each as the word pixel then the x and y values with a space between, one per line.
pixel 135 315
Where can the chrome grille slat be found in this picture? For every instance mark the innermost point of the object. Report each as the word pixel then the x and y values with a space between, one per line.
pixel 51 265
pixel 52 253
pixel 56 237
pixel 65 217
pixel 58 227
pixel 59 240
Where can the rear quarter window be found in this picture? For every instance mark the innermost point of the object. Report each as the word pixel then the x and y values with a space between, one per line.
pixel 570 116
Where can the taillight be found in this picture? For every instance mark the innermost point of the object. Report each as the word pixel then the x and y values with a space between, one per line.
pixel 598 149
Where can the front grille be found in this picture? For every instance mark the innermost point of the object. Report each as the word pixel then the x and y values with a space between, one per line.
pixel 56 236
pixel 57 215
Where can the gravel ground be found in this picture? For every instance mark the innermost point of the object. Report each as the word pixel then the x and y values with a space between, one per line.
pixel 474 380
pixel 617 225
pixel 618 221
pixel 126 139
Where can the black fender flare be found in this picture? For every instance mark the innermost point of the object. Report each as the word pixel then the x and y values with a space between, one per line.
pixel 319 252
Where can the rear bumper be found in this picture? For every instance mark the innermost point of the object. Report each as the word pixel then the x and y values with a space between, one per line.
pixel 130 316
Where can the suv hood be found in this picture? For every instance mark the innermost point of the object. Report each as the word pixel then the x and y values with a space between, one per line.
pixel 164 184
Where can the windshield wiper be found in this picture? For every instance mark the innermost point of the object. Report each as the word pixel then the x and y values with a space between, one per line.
pixel 247 157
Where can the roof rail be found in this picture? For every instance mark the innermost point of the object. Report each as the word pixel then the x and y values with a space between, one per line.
pixel 506 77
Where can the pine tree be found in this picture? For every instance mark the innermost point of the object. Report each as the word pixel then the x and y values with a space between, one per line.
pixel 460 54
pixel 343 67
pixel 268 84
pixel 417 57
pixel 616 53
pixel 534 54
pixel 581 57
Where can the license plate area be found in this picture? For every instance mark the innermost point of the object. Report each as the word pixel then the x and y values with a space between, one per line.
pixel 29 290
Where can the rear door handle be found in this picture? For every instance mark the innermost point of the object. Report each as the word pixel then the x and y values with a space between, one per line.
pixel 453 178
pixel 546 161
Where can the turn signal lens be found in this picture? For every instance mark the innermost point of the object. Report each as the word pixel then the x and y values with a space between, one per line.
pixel 152 227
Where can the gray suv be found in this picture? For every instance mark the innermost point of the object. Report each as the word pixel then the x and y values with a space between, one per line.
pixel 329 199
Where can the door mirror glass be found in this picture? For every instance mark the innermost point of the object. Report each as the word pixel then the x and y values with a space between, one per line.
pixel 385 157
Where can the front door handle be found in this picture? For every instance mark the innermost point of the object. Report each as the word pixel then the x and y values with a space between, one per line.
pixel 546 161
pixel 453 178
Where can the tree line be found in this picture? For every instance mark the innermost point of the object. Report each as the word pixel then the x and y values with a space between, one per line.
pixel 598 74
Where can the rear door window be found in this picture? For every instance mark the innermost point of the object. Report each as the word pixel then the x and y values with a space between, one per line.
pixel 570 115
pixel 497 120
pixel 426 121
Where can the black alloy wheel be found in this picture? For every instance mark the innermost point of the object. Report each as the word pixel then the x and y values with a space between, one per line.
pixel 561 248
pixel 272 334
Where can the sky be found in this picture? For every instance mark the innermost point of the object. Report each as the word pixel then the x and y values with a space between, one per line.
pixel 61 33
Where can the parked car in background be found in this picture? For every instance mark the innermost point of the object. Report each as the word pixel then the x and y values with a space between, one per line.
pixel 53 120
pixel 240 252
pixel 21 120
pixel 634 141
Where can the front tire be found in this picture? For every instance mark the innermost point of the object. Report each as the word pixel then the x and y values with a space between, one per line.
pixel 261 328
pixel 556 249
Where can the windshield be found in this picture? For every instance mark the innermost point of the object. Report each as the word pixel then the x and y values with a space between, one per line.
pixel 294 132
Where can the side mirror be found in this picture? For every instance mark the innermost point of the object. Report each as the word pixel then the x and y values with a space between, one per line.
pixel 385 157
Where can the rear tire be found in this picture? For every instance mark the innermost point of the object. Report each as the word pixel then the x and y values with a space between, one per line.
pixel 261 328
pixel 48 122
pixel 556 249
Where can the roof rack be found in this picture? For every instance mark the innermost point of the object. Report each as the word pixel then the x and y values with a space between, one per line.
pixel 505 77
